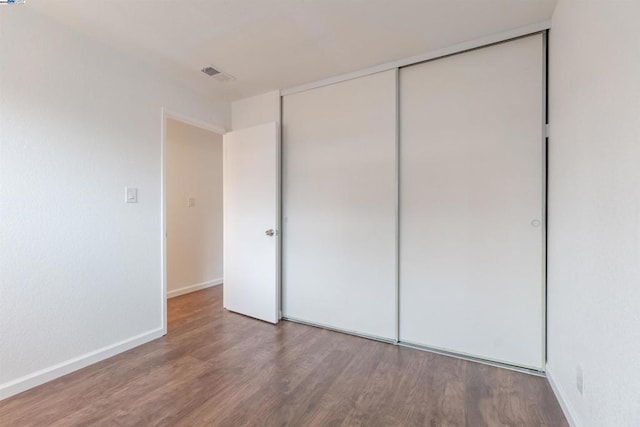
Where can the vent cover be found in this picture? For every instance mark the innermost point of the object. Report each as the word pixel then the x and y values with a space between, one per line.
pixel 210 71
pixel 217 74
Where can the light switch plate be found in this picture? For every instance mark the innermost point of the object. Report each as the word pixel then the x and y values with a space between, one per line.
pixel 131 195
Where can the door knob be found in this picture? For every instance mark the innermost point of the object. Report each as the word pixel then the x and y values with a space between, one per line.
pixel 270 232
pixel 536 223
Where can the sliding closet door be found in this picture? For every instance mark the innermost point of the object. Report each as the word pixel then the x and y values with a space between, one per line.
pixel 471 203
pixel 339 206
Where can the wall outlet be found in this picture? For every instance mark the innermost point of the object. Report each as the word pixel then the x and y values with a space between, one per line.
pixel 580 379
pixel 191 202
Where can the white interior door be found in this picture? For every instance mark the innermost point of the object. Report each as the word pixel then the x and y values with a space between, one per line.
pixel 251 217
pixel 471 203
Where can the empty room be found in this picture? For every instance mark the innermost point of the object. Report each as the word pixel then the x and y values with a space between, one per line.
pixel 320 213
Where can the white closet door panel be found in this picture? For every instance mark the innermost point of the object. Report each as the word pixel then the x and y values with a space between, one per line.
pixel 471 165
pixel 339 205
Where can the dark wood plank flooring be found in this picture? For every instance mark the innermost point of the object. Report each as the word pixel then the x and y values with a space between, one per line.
pixel 216 368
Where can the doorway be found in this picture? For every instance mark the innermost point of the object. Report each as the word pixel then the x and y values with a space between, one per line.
pixel 192 204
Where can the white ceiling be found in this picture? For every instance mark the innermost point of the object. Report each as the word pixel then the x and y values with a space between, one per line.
pixel 276 44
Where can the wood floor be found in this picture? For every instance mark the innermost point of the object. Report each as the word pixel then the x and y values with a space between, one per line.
pixel 216 368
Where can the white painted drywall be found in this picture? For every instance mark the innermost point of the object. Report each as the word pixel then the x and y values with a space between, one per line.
pixel 194 233
pixel 283 43
pixel 339 192
pixel 256 110
pixel 80 269
pixel 594 210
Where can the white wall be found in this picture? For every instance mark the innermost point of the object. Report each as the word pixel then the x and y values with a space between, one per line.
pixel 194 242
pixel 256 110
pixel 80 269
pixel 594 210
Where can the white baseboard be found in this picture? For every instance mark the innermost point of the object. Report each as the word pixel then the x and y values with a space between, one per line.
pixel 193 288
pixel 42 376
pixel 569 413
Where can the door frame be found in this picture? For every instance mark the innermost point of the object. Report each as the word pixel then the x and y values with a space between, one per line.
pixel 165 114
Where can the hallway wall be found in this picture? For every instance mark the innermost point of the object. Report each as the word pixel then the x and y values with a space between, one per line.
pixel 194 233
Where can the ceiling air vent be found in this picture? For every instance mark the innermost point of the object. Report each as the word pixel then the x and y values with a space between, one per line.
pixel 221 76
pixel 210 71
